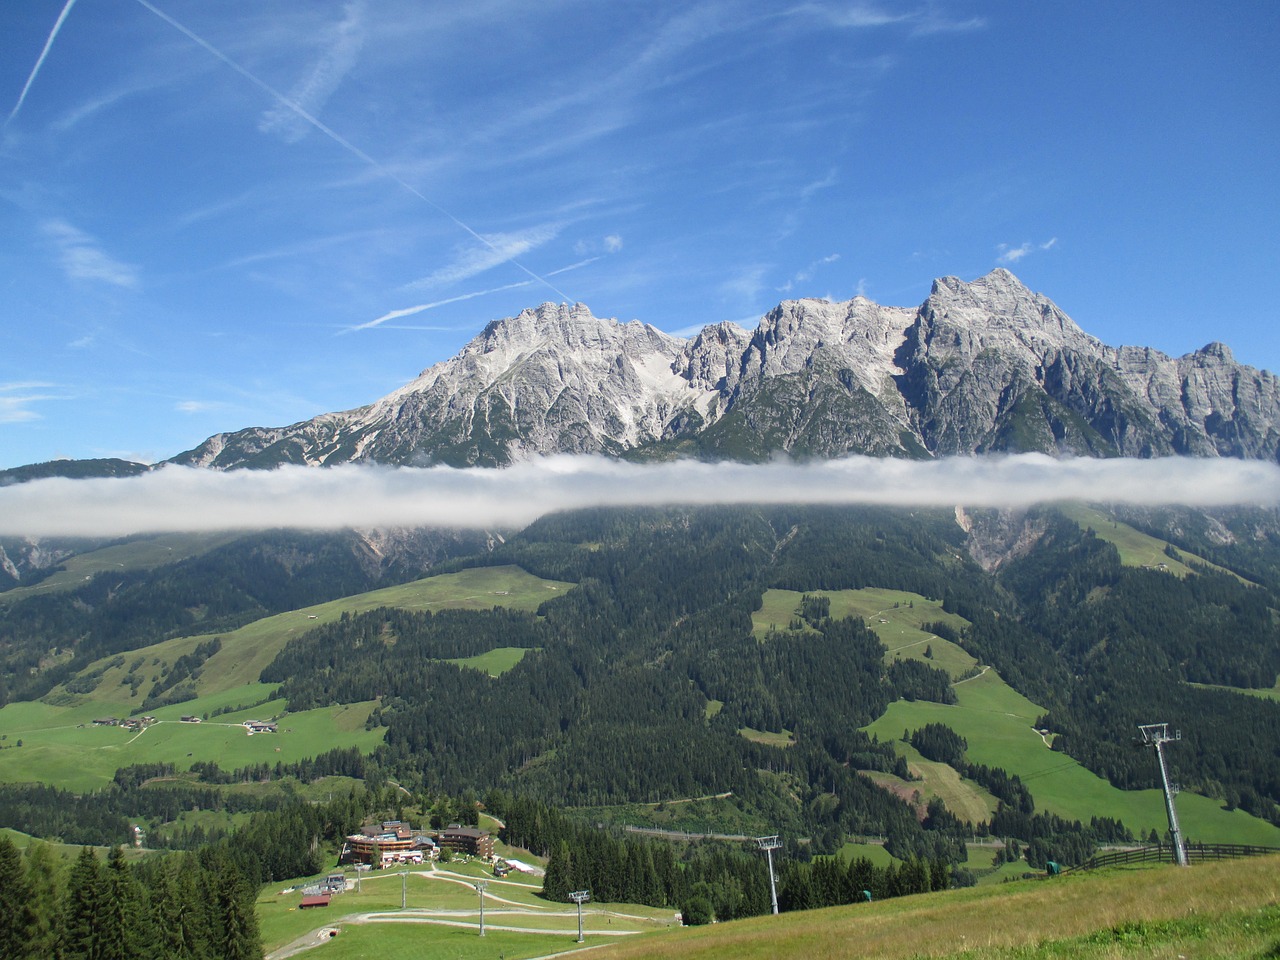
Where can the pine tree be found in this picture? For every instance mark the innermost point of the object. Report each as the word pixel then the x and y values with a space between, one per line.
pixel 44 887
pixel 181 920
pixel 235 924
pixel 16 916
pixel 81 910
pixel 555 885
pixel 125 930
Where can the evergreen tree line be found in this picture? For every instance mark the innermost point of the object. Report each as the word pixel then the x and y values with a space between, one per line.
pixel 185 906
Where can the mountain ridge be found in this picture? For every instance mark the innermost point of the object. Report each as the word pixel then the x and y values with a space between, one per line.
pixel 980 366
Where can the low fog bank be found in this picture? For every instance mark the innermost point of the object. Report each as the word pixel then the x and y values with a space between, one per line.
pixel 186 499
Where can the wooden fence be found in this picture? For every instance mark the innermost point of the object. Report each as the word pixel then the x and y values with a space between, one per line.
pixel 1163 853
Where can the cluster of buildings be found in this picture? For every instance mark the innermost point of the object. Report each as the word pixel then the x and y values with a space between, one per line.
pixel 130 723
pixel 394 842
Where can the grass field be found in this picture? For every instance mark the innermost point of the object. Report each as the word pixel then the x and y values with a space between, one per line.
pixel 80 756
pixel 61 746
pixel 442 917
pixel 1271 693
pixel 895 615
pixel 874 852
pixel 495 662
pixel 782 738
pixel 997 722
pixel 1217 910
pixel 966 799
pixel 1136 548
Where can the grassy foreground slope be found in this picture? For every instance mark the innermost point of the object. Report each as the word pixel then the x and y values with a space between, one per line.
pixel 61 746
pixel 1227 909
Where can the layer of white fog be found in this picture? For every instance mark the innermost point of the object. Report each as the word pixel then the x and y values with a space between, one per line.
pixel 183 499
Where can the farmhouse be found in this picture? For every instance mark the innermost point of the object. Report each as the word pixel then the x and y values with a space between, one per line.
pixel 259 726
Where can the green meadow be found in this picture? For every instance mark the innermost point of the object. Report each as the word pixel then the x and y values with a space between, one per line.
pixel 896 616
pixel 61 746
pixel 1137 549
pixel 997 722
pixel 494 662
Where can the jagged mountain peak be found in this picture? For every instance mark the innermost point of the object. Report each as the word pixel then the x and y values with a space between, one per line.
pixel 997 306
pixel 981 365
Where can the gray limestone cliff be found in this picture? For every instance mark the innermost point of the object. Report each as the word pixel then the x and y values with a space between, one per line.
pixel 984 366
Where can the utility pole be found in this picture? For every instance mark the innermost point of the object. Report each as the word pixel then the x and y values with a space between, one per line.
pixel 480 885
pixel 580 897
pixel 1157 735
pixel 768 845
pixel 404 889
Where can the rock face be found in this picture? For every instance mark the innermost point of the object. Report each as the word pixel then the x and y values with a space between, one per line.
pixel 979 367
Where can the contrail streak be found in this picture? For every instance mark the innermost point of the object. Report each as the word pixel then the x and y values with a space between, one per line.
pixel 336 138
pixel 410 311
pixel 40 60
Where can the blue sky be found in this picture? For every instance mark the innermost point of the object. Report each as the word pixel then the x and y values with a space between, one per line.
pixel 234 214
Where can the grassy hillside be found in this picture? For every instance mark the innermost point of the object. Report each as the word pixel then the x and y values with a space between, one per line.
pixel 61 746
pixel 997 722
pixel 1229 909
pixel 141 554
pixel 1137 549
pixel 895 615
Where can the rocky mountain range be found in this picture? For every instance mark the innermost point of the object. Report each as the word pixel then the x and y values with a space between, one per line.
pixel 983 366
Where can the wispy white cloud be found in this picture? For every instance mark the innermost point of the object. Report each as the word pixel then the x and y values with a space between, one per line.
pixel 197 406
pixel 496 249
pixel 613 243
pixel 922 21
pixel 746 283
pixel 815 186
pixel 177 498
pixel 854 16
pixel 806 274
pixel 82 258
pixel 342 44
pixel 16 400
pixel 932 22
pixel 1008 254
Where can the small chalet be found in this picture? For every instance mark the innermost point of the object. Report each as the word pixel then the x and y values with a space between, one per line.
pixel 259 726
pixel 314 900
